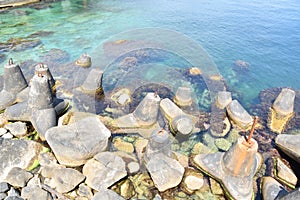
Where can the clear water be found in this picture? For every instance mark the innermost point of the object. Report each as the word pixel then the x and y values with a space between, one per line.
pixel 264 33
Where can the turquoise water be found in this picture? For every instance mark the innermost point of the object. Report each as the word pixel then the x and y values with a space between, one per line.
pixel 263 33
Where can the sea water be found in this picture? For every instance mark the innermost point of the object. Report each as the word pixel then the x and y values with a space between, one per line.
pixel 264 33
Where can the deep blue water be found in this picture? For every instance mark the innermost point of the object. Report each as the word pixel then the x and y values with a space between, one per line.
pixel 264 33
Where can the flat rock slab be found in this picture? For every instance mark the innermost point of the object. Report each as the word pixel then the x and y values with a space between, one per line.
pixel 289 144
pixel 17 153
pixel 34 192
pixel 74 144
pixel 165 172
pixel 104 170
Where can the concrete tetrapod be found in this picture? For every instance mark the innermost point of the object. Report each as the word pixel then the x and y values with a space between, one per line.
pixel 41 108
pixel 14 83
pixel 234 169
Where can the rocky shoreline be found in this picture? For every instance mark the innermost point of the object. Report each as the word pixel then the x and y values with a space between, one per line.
pixel 67 139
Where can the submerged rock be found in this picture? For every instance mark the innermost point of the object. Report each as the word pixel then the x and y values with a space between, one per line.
pixel 104 170
pixel 74 144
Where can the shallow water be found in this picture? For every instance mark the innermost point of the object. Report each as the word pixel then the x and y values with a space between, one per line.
pixel 263 33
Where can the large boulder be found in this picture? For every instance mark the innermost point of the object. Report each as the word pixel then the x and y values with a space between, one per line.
pixel 17 153
pixel 76 143
pixel 104 170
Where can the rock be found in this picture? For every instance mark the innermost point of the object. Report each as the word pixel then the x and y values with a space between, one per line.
pixel 183 96
pixel 74 144
pixel 285 173
pixel 140 145
pixel 17 153
pixel 3 187
pixel 133 167
pixel 7 136
pixel 271 189
pixel 84 61
pixel 104 170
pixel 21 44
pixel 165 172
pixel 3 120
pixel 107 195
pixel 13 193
pixel 46 159
pixel 122 97
pixel 192 181
pixel 55 56
pixel 93 82
pixel 85 191
pixel 200 148
pixel 18 177
pixel 2 131
pixel 223 99
pixel 289 144
pixel 222 144
pixel 18 129
pixel 282 110
pixel 239 115
pixel 66 179
pixel 293 195
pixel 34 192
pixel 3 196
pixel 241 65
pixel 121 145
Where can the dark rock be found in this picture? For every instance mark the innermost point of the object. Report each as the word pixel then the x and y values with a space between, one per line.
pixel 40 34
pixel 18 177
pixel 17 153
pixel 21 44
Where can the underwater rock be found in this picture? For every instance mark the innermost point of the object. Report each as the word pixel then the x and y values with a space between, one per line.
pixel 289 144
pixel 13 83
pixel 271 189
pixel 223 99
pixel 84 61
pixel 144 115
pixel 2 57
pixel 74 144
pixel 104 170
pixel 40 34
pixel 165 172
pixel 282 110
pixel 128 63
pixel 219 122
pixel 233 169
pixel 241 65
pixel 183 96
pixel 17 153
pixel 239 115
pixel 55 56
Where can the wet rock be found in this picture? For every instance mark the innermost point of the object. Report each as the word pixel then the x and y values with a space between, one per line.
pixel 21 44
pixel 4 187
pixel 41 33
pixel 17 129
pixel 122 97
pixel 165 172
pixel 223 99
pixel 85 191
pixel 239 115
pixel 18 177
pixel 74 144
pixel 107 195
pixel 282 110
pixel 121 145
pixel 125 189
pixel 271 189
pixel 17 153
pixel 285 173
pixel 66 179
pixel 222 144
pixel 104 170
pixel 183 96
pixel 289 144
pixel 128 63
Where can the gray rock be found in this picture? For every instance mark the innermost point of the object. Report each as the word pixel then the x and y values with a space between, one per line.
pixel 13 193
pixel 284 103
pixel 133 167
pixel 66 179
pixel 3 120
pixel 289 144
pixel 106 194
pixel 47 158
pixel 34 192
pixel 3 196
pixel 222 144
pixel 223 99
pixel 13 198
pixel 17 153
pixel 85 191
pixel 2 131
pixel 239 115
pixel 74 144
pixel 7 136
pixel 18 129
pixel 271 189
pixel 104 170
pixel 3 187
pixel 293 195
pixel 18 177
pixel 285 173
pixel 165 172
